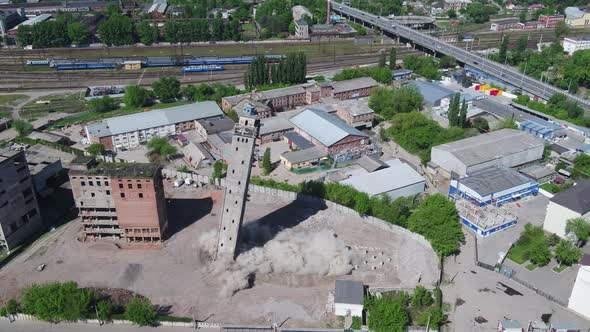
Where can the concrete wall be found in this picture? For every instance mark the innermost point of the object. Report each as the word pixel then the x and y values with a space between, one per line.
pixel 341 309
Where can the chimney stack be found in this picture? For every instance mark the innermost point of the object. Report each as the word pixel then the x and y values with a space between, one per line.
pixel 328 13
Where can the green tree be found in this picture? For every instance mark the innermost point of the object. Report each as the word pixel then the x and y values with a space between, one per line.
pixel 12 307
pixel 387 315
pixel 218 168
pixel 463 123
pixel 266 163
pixel 421 297
pixel 78 33
pixel 362 203
pixel 539 253
pixel 433 316
pixel 522 43
pixel 22 127
pixel 161 147
pixel 105 310
pixel 479 12
pixel 437 220
pixel 54 302
pixel 166 89
pixel 102 104
pixel 522 17
pixel 24 35
pixel 503 52
pixel 136 96
pixel 140 311
pixel 566 253
pixel 480 124
pixel 292 27
pixel 581 166
pixel 580 227
pixel 392 58
pixel 447 62
pixel 561 29
pixel 96 149
pixel 148 34
pixel 381 63
pixel 117 30
pixel 453 114
pixel 387 102
pixel 451 14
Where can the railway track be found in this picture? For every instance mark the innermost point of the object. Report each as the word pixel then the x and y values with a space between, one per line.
pixel 232 74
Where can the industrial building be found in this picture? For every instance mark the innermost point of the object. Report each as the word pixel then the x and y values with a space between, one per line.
pixel 494 185
pixel 574 202
pixel 357 115
pixel 120 200
pixel 129 131
pixel 328 132
pixel 273 129
pixel 505 147
pixel 303 94
pixel 348 298
pixel 20 217
pixel 30 22
pixel 398 179
pixel 208 127
pixel 455 5
pixel 434 94
pixel 504 24
pixel 575 17
pixel 540 128
pixel 483 220
pixel 572 44
pixel 579 300
pixel 538 173
pixel 300 159
pixel 301 29
pixel 248 107
pixel 551 21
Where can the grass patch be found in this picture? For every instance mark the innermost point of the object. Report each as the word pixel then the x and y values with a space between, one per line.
pixel 67 103
pixel 558 268
pixel 531 266
pixel 519 254
pixel 249 31
pixel 166 318
pixel 11 100
pixel 555 188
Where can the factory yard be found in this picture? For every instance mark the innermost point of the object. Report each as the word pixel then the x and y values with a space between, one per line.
pixel 291 252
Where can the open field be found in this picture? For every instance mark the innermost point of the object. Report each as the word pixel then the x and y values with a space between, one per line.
pixel 292 252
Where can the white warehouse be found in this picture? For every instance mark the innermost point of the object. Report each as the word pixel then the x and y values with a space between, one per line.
pixel 571 203
pixel 505 147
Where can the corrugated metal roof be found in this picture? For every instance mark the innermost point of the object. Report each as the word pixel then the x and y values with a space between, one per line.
pixel 497 144
pixel 494 179
pixel 432 92
pixel 397 175
pixel 325 128
pixel 353 84
pixel 511 324
pixel 299 156
pixel 157 118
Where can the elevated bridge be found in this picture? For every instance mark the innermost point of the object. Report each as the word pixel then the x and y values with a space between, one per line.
pixel 489 67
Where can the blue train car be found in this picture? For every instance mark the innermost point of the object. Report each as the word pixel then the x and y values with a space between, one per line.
pixel 199 69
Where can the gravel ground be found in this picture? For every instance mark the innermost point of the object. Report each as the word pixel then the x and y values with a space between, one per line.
pixel 182 276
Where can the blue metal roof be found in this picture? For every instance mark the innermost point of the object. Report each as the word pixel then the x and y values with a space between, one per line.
pixel 326 128
pixel 585 148
pixel 539 126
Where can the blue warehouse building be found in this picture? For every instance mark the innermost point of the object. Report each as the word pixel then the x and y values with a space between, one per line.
pixel 540 128
pixel 494 185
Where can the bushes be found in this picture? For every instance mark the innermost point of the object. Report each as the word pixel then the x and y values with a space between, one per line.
pixel 140 311
pixel 56 302
pixel 379 74
pixel 389 102
pixel 103 104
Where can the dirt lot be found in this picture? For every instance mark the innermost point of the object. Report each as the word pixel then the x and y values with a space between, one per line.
pixel 291 253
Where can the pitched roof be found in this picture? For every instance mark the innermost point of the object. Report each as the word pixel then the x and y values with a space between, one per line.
pixel 325 128
pixel 432 92
pixel 300 156
pixel 397 175
pixel 353 84
pixel 157 118
pixel 576 198
pixel 573 13
pixel 494 179
pixel 349 292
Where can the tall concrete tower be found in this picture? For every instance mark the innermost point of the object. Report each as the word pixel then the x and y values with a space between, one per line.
pixel 236 185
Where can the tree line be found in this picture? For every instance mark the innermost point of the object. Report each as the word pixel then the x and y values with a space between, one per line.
pixel 291 70
pixel 61 32
pixel 435 217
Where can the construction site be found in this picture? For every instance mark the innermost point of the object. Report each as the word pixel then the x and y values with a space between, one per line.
pixel 484 220
pixel 289 256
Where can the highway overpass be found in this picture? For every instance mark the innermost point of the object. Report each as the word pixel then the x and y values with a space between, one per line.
pixel 491 68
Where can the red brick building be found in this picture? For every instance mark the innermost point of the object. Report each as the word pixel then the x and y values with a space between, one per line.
pixel 120 201
pixel 551 21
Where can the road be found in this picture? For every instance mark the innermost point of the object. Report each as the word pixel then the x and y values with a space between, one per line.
pixel 32 326
pixel 488 67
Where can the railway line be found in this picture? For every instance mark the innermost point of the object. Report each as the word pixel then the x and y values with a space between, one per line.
pixel 11 81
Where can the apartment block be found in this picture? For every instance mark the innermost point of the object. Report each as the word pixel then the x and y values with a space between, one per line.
pixel 121 201
pixel 19 211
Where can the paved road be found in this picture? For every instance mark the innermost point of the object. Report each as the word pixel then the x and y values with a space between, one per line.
pixel 31 326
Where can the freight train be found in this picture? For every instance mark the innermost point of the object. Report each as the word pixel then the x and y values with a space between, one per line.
pixel 146 62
